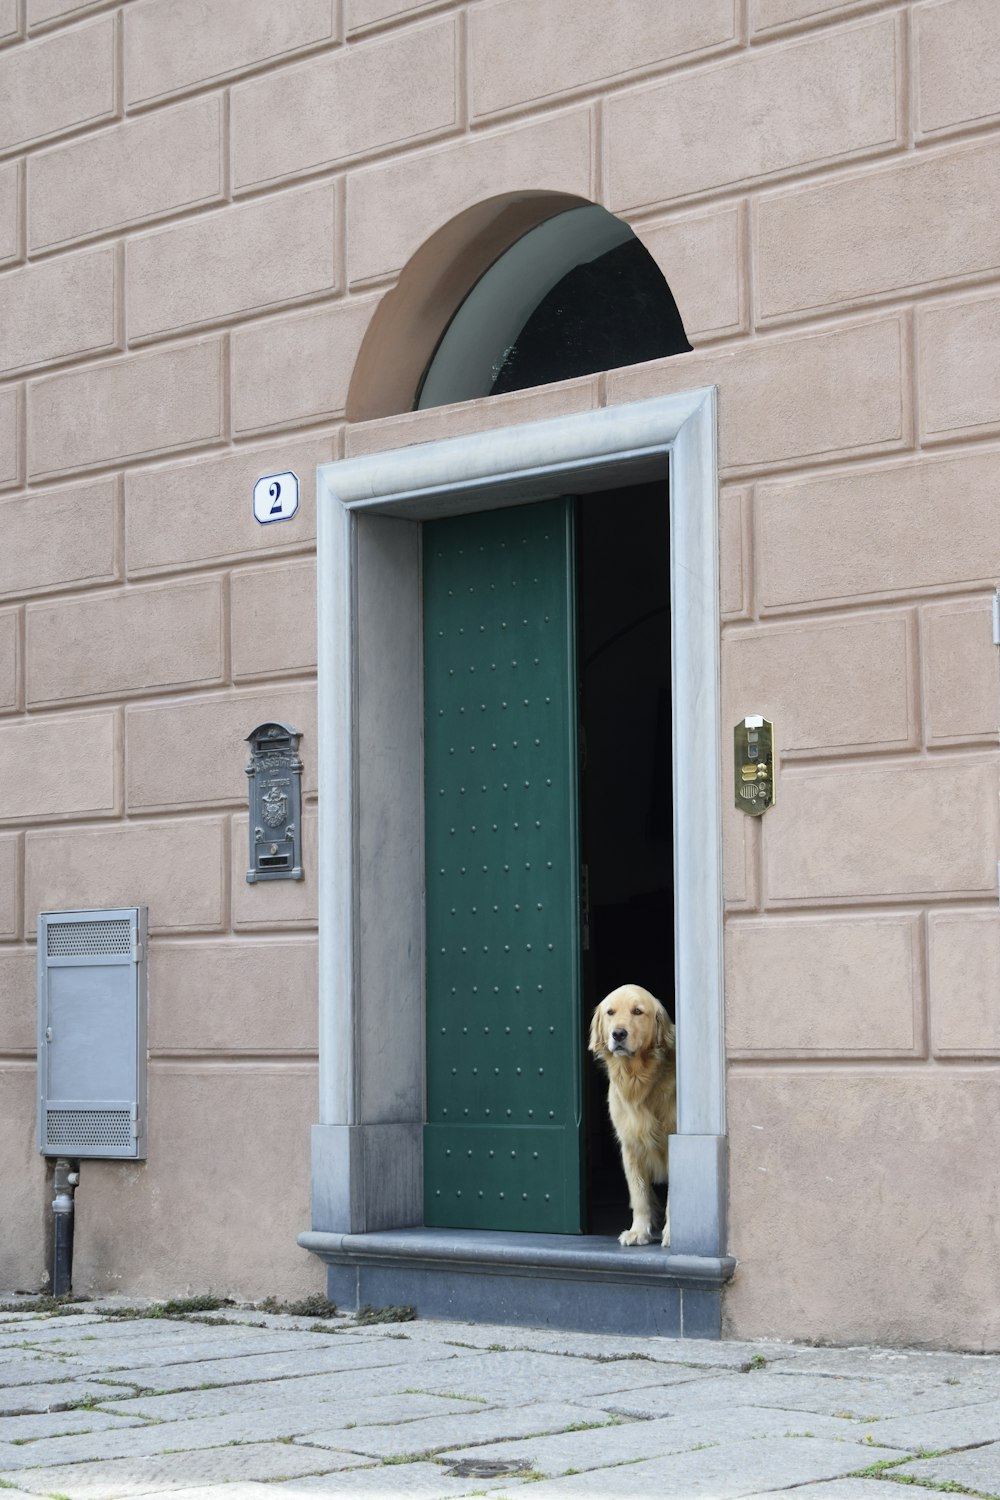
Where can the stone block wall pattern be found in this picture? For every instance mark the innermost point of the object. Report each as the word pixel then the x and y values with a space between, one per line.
pixel 10 212
pixel 207 214
pixel 58 84
pixel 9 659
pixel 10 25
pixel 144 169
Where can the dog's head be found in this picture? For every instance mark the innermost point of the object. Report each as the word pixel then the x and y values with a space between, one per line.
pixel 630 1022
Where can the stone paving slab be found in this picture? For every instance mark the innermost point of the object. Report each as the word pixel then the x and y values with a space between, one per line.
pixel 339 1354
pixel 958 1427
pixel 40 1326
pixel 494 1376
pixel 427 1481
pixel 623 1444
pixel 710 1354
pixel 423 1481
pixel 834 1489
pixel 170 1471
pixel 328 1414
pixel 34 1369
pixel 128 1334
pixel 245 1489
pixel 379 1382
pixel 725 1472
pixel 977 1469
pixel 187 1330
pixel 416 1439
pixel 864 1399
pixel 727 1424
pixel 926 1363
pixel 115 1356
pixel 52 1424
pixel 263 1425
pixel 62 1395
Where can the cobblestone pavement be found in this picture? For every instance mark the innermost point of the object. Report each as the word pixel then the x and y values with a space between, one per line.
pixel 106 1399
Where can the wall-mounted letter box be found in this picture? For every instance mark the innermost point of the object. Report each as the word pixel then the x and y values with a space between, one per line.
pixel 92 1033
pixel 275 774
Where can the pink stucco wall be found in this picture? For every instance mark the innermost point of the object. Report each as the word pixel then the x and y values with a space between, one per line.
pixel 201 209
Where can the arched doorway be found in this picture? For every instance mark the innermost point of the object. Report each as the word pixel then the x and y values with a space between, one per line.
pixel 376 516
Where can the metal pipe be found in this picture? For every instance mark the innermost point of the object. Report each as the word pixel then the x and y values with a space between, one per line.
pixel 67 1177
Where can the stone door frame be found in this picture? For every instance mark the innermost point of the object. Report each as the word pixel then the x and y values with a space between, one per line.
pixel 367 1164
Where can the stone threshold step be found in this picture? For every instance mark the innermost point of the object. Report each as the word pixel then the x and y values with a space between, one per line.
pixel 570 1282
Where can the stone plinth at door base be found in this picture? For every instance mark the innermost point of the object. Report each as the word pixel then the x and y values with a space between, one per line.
pixel 587 1283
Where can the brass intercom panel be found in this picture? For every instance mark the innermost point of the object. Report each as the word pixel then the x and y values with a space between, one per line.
pixel 753 754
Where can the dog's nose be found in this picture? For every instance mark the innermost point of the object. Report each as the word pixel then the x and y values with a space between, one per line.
pixel 619 1034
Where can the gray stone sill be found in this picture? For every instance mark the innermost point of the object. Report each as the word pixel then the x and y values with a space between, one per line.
pixel 590 1257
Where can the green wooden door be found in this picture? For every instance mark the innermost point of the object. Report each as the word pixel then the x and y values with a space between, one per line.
pixel 502 1146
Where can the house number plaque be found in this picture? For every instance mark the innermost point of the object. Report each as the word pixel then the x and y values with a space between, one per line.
pixel 274 772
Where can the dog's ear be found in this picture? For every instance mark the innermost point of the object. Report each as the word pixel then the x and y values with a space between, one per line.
pixel 596 1035
pixel 665 1031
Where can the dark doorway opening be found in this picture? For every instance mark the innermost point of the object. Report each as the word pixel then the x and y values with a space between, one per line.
pixel 626 796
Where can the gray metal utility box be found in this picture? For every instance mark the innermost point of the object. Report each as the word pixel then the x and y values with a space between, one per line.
pixel 92 1033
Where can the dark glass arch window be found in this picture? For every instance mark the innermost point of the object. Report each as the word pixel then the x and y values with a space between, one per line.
pixel 577 294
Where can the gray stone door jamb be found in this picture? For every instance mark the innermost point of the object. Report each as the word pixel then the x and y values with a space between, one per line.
pixel 367 1170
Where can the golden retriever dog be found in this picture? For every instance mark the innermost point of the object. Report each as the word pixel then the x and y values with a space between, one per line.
pixel 632 1037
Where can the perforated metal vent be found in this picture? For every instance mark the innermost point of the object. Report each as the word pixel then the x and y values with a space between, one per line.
pixel 89 939
pixel 93 1130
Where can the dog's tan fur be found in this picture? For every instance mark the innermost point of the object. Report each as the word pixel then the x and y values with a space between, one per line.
pixel 632 1036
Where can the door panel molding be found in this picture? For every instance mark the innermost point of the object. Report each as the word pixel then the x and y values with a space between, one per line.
pixel 370 775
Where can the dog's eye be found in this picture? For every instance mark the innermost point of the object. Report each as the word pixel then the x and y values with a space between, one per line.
pixel 636 1011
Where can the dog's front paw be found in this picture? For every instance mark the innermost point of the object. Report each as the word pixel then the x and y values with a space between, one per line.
pixel 638 1235
pixel 665 1240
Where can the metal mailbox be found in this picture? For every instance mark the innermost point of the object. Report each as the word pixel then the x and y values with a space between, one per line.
pixel 92 1033
pixel 275 776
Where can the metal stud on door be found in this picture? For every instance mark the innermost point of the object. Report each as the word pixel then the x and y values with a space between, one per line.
pixel 502 1141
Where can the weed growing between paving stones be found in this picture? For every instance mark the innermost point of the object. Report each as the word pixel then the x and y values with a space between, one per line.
pixel 940 1487
pixel 883 1470
pixel 176 1308
pixel 209 1322
pixel 412 1390
pixel 60 1306
pixel 613 1359
pixel 315 1306
pixel 26 1442
pixel 755 1362
pixel 367 1315
pixel 586 1426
